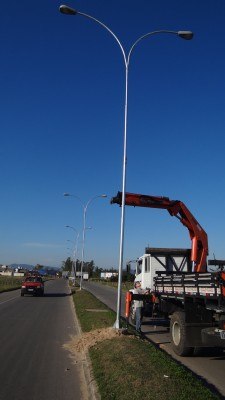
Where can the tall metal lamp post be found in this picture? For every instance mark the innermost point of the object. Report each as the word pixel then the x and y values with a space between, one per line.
pixel 188 35
pixel 85 207
pixel 75 250
pixel 74 262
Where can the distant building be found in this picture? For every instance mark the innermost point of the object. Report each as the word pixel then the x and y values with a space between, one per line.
pixel 78 275
pixel 20 272
pixel 5 270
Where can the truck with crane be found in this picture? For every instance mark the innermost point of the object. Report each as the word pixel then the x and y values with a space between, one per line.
pixel 181 289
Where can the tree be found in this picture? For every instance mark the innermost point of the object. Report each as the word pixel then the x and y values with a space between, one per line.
pixel 97 272
pixel 89 267
pixel 67 265
pixel 38 267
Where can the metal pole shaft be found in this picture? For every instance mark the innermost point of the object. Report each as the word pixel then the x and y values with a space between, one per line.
pixel 120 273
pixel 82 256
pixel 76 255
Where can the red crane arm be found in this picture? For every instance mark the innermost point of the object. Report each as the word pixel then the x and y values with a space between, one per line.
pixel 177 209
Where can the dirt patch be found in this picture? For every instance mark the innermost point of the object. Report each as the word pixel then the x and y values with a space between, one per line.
pixel 82 343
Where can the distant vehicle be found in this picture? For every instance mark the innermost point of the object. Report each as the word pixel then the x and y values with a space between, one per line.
pixel 85 276
pixel 33 285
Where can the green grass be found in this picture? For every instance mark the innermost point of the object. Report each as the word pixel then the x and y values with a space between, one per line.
pixel 126 368
pixel 92 320
pixel 10 283
pixel 129 367
pixel 125 285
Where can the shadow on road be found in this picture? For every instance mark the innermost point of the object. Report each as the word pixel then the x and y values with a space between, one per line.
pixel 213 353
pixel 158 332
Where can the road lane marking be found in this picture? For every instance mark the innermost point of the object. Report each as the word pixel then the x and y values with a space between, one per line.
pixel 6 301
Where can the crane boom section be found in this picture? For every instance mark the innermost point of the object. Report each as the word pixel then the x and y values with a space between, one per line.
pixel 177 209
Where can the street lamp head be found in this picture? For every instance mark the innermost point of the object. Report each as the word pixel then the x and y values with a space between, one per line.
pixel 187 35
pixel 69 226
pixel 66 194
pixel 103 195
pixel 67 10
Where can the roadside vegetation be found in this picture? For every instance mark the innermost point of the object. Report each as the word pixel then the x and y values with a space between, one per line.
pixel 126 366
pixel 114 283
pixel 9 283
pixel 91 312
pixel 95 273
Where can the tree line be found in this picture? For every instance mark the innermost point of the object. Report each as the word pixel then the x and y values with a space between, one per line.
pixel 94 271
pixel 90 267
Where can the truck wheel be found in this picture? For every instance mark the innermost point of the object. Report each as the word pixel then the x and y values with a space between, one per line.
pixel 22 294
pixel 178 335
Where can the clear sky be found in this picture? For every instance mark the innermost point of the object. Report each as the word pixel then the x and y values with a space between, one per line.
pixel 62 82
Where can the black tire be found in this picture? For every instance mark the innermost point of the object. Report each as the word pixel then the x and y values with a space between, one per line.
pixel 178 335
pixel 22 294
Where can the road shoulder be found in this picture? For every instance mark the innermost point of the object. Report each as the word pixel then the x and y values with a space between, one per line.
pixel 88 385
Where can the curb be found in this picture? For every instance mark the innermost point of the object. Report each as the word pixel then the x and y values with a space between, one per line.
pixel 91 386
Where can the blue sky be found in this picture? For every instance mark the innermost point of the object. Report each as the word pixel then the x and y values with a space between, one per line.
pixel 62 84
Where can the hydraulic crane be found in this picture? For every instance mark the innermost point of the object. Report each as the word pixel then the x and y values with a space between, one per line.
pixel 199 239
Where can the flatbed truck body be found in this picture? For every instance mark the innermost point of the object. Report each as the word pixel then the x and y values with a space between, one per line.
pixel 192 304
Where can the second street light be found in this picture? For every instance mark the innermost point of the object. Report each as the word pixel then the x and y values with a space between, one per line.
pixel 85 207
pixel 75 250
pixel 74 261
pixel 187 35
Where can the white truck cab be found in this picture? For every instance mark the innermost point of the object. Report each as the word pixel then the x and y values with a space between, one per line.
pixel 146 270
pixel 155 260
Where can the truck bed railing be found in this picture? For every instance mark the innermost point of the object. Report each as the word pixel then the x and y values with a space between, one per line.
pixel 210 285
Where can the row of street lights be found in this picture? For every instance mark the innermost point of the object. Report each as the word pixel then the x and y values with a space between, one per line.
pixel 85 207
pixel 187 35
pixel 74 259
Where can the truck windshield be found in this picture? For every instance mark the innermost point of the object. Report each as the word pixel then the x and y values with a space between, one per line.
pixel 139 267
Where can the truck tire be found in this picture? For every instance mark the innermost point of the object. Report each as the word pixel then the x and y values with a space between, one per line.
pixel 178 335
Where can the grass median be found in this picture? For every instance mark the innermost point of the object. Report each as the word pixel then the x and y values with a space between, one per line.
pixel 125 366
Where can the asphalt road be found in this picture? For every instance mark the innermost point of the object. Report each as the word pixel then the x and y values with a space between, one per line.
pixel 33 363
pixel 208 365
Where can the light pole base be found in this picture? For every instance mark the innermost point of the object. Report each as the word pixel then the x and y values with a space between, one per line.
pixel 116 324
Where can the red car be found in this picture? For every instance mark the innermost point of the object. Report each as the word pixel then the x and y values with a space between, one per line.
pixel 33 285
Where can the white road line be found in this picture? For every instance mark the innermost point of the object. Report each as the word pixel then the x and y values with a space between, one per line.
pixel 6 301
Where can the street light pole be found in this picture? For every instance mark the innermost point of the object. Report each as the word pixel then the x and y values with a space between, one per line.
pixel 74 262
pixel 85 206
pixel 75 250
pixel 187 35
pixel 70 258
